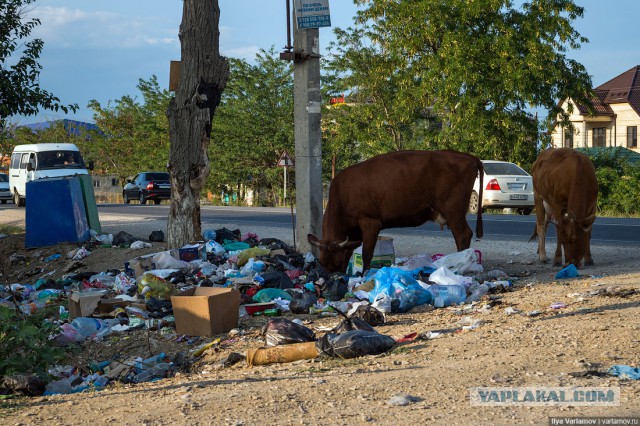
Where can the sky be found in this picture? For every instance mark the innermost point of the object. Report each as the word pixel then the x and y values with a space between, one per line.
pixel 99 49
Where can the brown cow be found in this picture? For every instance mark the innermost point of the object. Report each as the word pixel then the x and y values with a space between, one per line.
pixel 565 192
pixel 398 189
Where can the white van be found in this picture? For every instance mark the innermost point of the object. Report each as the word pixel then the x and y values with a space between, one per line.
pixel 42 160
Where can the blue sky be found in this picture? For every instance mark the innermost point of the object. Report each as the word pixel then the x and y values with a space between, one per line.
pixel 99 49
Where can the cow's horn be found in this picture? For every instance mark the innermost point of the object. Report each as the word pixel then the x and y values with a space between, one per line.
pixel 344 243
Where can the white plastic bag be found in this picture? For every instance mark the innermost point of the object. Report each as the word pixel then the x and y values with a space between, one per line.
pixel 139 244
pixel 443 275
pixel 460 262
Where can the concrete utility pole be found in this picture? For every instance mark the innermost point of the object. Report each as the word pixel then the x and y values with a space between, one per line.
pixel 308 136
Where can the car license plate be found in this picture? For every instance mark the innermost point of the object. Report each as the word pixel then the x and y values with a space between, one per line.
pixel 518 197
pixel 164 186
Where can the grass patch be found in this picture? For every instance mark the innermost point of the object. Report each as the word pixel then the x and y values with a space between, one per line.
pixel 10 229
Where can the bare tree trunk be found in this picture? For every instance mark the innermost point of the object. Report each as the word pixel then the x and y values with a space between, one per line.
pixel 203 77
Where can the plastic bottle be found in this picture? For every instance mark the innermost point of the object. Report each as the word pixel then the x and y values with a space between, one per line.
pixel 158 371
pixel 148 363
pixel 86 326
pixel 447 295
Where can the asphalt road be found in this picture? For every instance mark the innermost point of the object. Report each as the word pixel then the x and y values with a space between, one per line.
pixel 623 231
pixel 506 227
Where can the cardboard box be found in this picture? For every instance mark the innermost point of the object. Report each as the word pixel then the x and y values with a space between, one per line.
pixel 83 304
pixel 205 311
pixel 191 252
pixel 139 265
pixel 383 255
pixel 92 303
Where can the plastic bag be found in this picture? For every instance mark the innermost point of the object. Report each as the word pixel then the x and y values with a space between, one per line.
pixel 215 248
pixel 335 288
pixel 276 280
pixel 281 331
pixel 445 276
pixel 139 245
pixel 460 262
pixel 354 344
pixel 153 286
pixel 301 302
pixel 268 294
pixel 164 260
pixel 400 287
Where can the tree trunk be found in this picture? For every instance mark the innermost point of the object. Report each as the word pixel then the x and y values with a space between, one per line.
pixel 203 76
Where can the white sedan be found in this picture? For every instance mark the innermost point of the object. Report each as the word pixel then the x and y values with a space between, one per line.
pixel 505 186
pixel 5 192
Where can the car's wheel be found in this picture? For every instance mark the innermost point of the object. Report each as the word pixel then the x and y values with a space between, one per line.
pixel 525 212
pixel 125 197
pixel 17 200
pixel 142 199
pixel 474 203
pixel 4 201
pixel 156 201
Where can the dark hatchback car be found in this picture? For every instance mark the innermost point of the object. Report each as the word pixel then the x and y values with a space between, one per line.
pixel 145 186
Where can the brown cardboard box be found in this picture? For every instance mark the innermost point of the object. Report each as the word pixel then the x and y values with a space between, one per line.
pixel 205 311
pixel 139 265
pixel 82 304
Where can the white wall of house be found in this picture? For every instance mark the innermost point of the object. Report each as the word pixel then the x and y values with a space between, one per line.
pixel 615 133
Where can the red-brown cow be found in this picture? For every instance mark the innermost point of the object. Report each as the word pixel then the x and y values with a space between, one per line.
pixel 398 189
pixel 565 192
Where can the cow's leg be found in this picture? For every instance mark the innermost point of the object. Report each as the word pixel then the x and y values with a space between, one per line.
pixel 588 260
pixel 557 258
pixel 461 231
pixel 370 229
pixel 541 228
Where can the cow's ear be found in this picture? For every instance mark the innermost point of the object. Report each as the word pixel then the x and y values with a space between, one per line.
pixel 314 241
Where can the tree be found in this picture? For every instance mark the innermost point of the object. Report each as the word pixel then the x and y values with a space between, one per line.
pixel 479 66
pixel 202 80
pixel 134 135
pixel 20 91
pixel 253 124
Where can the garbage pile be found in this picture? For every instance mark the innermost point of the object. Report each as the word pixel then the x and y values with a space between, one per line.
pixel 238 276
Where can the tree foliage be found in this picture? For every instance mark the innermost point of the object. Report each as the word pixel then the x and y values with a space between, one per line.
pixel 253 126
pixel 20 91
pixel 134 134
pixel 479 67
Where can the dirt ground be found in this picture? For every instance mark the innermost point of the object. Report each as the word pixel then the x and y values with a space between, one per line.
pixel 599 327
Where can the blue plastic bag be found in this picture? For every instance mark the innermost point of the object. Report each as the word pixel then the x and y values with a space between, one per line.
pixel 569 272
pixel 401 287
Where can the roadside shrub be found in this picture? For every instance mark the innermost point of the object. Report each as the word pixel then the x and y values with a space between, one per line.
pixel 25 347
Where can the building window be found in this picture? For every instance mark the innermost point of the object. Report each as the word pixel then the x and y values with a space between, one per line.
pixel 96 184
pixel 568 138
pixel 114 182
pixel 632 136
pixel 599 136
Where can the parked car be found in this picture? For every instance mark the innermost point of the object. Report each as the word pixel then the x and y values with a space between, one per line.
pixel 505 186
pixel 145 186
pixel 5 192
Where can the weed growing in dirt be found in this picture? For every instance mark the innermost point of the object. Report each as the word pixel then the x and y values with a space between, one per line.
pixel 25 344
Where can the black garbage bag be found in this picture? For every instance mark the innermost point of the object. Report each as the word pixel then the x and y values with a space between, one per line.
pixel 354 344
pixel 281 331
pixel 123 239
pixel 158 308
pixel 273 244
pixel 369 314
pixel 157 236
pixel 350 324
pixel 301 302
pixel 226 234
pixel 335 288
pixel 276 280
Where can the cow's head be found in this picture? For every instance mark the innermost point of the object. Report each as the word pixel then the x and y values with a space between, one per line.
pixel 334 255
pixel 576 235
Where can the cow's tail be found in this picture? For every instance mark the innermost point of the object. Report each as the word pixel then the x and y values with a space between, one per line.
pixel 479 230
pixel 534 236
